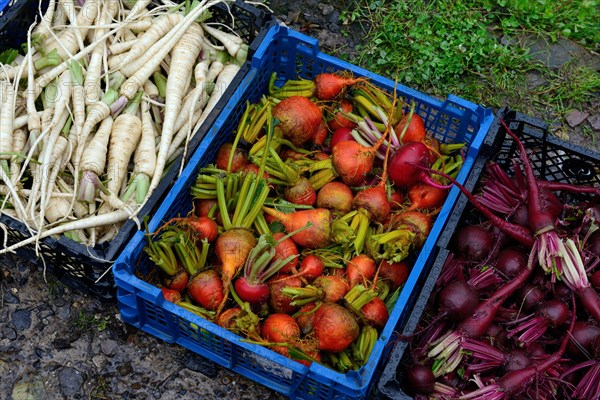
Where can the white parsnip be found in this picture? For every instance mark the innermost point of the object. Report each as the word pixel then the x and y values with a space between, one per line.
pixel 231 42
pixel 124 138
pixel 74 120
pixel 46 21
pixel 221 86
pixel 145 154
pixel 159 29
pixel 68 7
pixel 66 43
pixel 197 98
pixel 110 218
pixel 7 93
pixel 121 47
pixel 94 156
pixel 58 209
pixel 186 52
pixel 141 25
pixel 19 144
pixel 92 77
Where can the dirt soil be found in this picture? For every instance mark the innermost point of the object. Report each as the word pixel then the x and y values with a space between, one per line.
pixel 56 343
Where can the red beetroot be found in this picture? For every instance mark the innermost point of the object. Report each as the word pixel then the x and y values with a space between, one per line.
pixel 359 269
pixel 375 312
pixel 253 293
pixel 299 119
pixel 339 121
pixel 458 300
pixel 336 196
pixel 340 135
pixel 311 267
pixel 329 86
pixel 510 261
pixel 240 157
pixel 206 289
pixel 477 324
pixel 395 274
pixel 580 345
pixel 401 171
pixel 473 242
pixel 335 328
pixel 419 380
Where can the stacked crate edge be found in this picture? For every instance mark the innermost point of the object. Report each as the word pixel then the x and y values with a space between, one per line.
pixel 289 54
pixel 87 269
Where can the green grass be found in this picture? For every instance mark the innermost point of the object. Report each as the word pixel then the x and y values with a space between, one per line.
pixel 461 47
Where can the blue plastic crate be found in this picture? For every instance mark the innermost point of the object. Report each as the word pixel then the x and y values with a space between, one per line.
pixel 82 267
pixel 289 54
pixel 15 18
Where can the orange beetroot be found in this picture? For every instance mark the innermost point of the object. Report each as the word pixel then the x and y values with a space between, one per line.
pixel 422 196
pixel 315 236
pixel 336 196
pixel 415 132
pixel 339 121
pixel 240 157
pixel 280 328
pixel 375 312
pixel 283 250
pixel 302 192
pixel 206 289
pixel 278 301
pixel 171 295
pixel 360 268
pixel 329 86
pixel 335 328
pixel 299 119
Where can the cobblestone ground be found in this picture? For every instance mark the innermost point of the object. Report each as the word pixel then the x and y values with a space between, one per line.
pixel 57 343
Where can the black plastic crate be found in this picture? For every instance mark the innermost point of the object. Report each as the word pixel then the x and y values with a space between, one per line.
pixel 553 159
pixel 84 268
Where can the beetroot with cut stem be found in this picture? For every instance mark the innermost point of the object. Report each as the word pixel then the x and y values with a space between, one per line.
pixel 516 381
pixel 419 380
pixel 581 343
pixel 529 296
pixel 511 260
pixel 550 314
pixel 473 242
pixel 516 232
pixel 458 300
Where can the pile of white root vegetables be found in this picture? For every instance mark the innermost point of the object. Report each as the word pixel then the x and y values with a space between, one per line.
pixel 101 99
